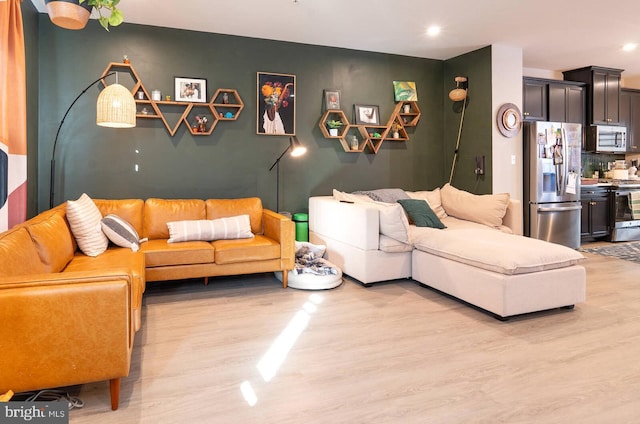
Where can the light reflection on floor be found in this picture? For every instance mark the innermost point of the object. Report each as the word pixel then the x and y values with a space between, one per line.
pixel 279 349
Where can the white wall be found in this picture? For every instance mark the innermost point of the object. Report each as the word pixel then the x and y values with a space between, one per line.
pixel 506 76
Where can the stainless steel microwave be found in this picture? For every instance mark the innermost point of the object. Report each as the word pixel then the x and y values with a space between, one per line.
pixel 607 138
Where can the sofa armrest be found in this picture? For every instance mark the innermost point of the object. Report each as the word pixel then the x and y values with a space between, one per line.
pixel 355 224
pixel 513 218
pixel 64 329
pixel 281 229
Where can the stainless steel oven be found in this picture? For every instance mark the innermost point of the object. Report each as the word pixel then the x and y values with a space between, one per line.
pixel 626 226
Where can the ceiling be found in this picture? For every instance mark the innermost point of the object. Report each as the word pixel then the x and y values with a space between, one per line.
pixel 554 35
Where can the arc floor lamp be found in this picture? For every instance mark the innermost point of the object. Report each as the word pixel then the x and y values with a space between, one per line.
pixel 116 108
pixel 297 149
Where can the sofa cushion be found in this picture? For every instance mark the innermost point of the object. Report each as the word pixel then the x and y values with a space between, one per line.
pixel 84 219
pixel 160 253
pixel 224 208
pixel 52 239
pixel 420 213
pixel 210 229
pixel 393 221
pixel 157 212
pixel 433 199
pixel 131 210
pixel 496 251
pixel 120 232
pixel 258 248
pixel 18 255
pixel 487 209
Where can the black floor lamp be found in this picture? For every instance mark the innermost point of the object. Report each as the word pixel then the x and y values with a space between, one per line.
pixel 297 149
pixel 116 108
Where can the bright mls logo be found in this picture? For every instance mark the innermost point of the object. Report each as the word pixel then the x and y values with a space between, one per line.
pixel 34 412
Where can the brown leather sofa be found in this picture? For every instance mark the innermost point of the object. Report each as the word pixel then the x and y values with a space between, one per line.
pixel 67 318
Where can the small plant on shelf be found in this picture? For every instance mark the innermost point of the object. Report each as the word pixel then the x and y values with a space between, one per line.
pixel 334 125
pixel 395 129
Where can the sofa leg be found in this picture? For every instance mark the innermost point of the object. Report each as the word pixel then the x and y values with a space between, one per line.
pixel 206 281
pixel 568 307
pixel 285 278
pixel 114 387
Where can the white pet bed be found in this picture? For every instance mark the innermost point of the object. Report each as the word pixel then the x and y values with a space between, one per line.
pixel 310 280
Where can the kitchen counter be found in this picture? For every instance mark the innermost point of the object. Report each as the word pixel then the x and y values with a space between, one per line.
pixel 606 182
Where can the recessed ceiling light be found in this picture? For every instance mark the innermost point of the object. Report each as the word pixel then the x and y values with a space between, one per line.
pixel 629 47
pixel 433 30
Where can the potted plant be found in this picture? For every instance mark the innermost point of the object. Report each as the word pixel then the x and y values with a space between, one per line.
pixel 334 126
pixel 74 14
pixel 395 129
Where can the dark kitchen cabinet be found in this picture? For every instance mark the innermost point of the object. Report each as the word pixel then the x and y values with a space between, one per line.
pixel 534 100
pixel 630 118
pixel 595 219
pixel 603 93
pixel 553 100
pixel 566 103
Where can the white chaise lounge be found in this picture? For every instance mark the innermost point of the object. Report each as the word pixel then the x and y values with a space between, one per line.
pixel 477 258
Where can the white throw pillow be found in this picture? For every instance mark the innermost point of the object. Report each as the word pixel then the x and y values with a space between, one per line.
pixel 84 219
pixel 120 232
pixel 433 199
pixel 235 227
pixel 393 221
pixel 487 209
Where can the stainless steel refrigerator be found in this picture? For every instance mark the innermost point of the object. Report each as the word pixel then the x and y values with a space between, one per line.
pixel 552 182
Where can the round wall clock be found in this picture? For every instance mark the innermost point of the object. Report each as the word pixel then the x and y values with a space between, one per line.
pixel 509 120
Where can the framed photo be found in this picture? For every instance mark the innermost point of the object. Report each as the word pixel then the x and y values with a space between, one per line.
pixel 367 114
pixel 276 98
pixel 331 99
pixel 405 91
pixel 191 90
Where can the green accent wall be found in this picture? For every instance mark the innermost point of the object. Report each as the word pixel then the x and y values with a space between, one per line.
pixel 476 137
pixel 233 162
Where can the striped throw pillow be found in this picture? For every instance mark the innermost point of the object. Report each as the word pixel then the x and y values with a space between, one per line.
pixel 120 232
pixel 234 227
pixel 84 219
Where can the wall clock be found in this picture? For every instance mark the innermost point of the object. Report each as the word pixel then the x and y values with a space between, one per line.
pixel 509 120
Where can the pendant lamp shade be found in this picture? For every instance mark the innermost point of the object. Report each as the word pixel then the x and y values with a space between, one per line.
pixel 116 107
pixel 68 14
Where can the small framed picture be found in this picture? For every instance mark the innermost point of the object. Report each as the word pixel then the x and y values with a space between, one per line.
pixel 405 91
pixel 191 90
pixel 367 114
pixel 331 99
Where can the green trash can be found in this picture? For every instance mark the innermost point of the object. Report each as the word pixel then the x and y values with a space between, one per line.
pixel 302 226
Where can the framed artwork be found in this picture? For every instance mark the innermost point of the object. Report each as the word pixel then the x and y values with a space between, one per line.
pixel 331 99
pixel 276 104
pixel 405 91
pixel 190 90
pixel 367 114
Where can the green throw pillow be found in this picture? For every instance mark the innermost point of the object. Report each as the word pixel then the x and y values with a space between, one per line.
pixel 420 213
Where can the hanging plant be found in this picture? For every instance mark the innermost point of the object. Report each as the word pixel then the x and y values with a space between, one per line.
pixel 115 17
pixel 74 14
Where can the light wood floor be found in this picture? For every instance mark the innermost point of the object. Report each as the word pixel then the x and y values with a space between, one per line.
pixel 393 353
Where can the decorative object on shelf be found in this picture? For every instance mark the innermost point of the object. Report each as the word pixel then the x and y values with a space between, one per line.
pixel 225 98
pixel 458 94
pixel 509 120
pixel 405 91
pixel 140 95
pixel 334 126
pixel 156 95
pixel 395 130
pixel 190 89
pixel 125 59
pixel 353 143
pixel 276 104
pixel 144 111
pixel 367 114
pixel 228 115
pixel 297 149
pixel 406 108
pixel 331 99
pixel 74 14
pixel 115 108
pixel 201 123
pixel 167 98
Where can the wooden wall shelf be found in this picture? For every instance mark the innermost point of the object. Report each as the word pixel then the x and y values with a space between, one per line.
pixel 225 105
pixel 366 134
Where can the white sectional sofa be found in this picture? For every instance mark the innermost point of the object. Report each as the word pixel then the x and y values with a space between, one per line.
pixel 480 257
